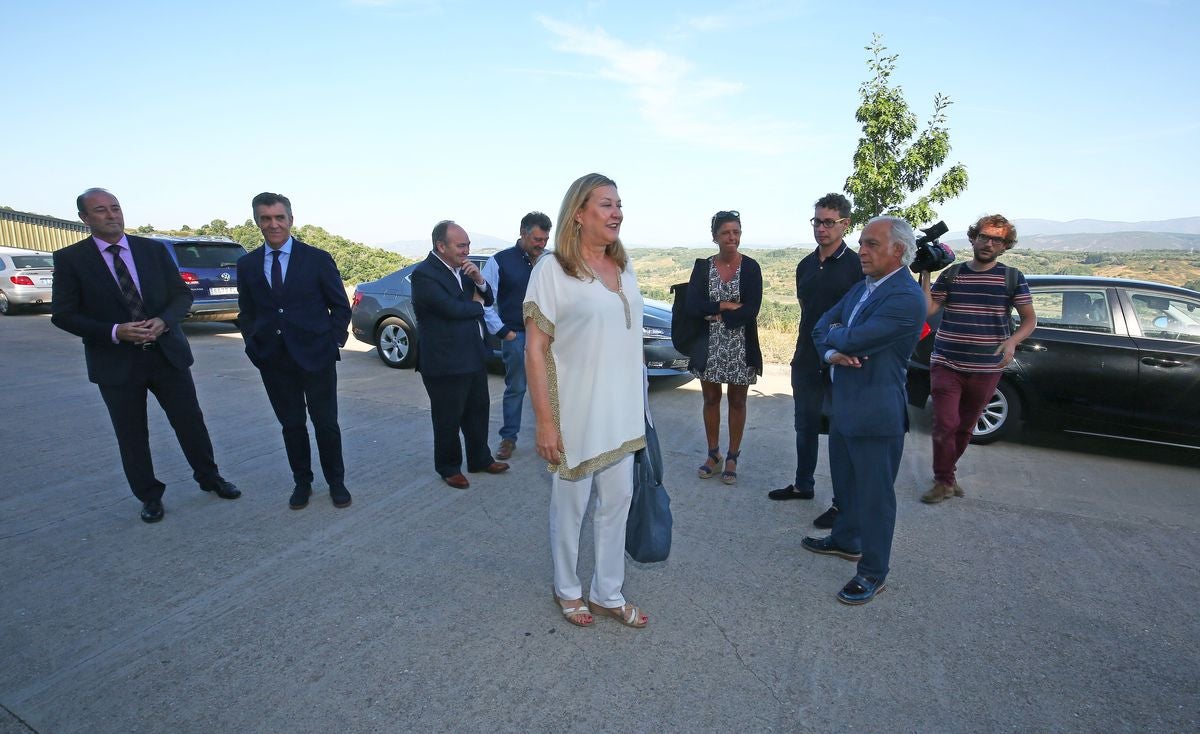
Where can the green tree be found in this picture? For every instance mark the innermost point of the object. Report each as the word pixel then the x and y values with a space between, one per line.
pixel 215 228
pixel 892 161
pixel 247 233
pixel 145 229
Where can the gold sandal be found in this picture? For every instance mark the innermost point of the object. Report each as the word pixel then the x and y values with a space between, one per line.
pixel 628 615
pixel 574 613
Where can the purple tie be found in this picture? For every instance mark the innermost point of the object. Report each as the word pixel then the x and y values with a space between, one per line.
pixel 276 273
pixel 129 291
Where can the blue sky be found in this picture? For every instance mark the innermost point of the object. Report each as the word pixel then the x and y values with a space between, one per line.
pixel 380 117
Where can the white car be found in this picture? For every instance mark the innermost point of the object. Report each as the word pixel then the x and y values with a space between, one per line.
pixel 26 278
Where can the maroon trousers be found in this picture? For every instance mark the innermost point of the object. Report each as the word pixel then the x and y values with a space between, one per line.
pixel 958 401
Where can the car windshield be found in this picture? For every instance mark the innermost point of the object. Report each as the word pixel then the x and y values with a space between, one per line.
pixel 33 261
pixel 208 255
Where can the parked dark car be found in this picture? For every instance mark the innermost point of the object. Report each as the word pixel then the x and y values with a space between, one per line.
pixel 26 279
pixel 209 266
pixel 383 316
pixel 1109 357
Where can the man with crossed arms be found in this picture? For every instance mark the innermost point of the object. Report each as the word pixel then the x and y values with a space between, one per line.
pixel 868 337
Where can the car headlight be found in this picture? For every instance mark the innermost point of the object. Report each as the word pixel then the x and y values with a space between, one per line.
pixel 655 332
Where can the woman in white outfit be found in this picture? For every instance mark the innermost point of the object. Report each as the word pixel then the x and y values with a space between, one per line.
pixel 583 361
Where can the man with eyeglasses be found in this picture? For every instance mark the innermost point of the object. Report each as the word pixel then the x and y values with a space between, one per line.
pixel 973 345
pixel 822 278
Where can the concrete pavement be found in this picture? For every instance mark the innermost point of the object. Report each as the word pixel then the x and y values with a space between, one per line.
pixel 1060 595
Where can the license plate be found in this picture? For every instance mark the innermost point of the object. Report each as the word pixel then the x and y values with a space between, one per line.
pixel 222 291
pixel 46 281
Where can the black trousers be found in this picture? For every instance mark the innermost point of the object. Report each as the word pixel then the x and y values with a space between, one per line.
pixel 459 403
pixel 176 395
pixel 293 391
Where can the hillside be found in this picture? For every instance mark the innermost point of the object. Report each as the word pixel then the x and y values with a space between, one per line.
pixel 658 268
pixel 358 263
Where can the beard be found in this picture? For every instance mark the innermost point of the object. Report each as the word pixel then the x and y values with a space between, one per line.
pixel 986 257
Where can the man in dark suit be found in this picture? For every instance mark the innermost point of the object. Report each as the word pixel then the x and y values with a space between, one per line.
pixel 294 318
pixel 124 297
pixel 449 295
pixel 868 337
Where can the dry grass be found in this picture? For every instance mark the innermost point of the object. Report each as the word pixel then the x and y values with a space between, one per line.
pixel 777 346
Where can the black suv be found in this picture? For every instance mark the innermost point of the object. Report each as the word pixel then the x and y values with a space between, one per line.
pixel 209 266
pixel 1109 357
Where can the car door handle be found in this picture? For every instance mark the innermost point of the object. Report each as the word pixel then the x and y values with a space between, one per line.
pixel 1159 362
pixel 1030 348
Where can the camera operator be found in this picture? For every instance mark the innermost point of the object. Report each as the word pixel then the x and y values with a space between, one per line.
pixel 973 345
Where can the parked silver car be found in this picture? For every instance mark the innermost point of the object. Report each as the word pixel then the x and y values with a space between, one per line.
pixel 26 279
pixel 383 316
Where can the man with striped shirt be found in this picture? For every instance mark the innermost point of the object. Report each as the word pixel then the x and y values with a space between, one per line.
pixel 973 345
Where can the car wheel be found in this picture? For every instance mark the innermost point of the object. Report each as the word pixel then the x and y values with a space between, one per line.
pixel 6 308
pixel 395 343
pixel 1001 416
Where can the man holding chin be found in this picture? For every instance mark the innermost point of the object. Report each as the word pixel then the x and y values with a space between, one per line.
pixel 449 295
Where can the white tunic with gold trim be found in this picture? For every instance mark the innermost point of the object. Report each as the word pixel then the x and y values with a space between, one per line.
pixel 594 364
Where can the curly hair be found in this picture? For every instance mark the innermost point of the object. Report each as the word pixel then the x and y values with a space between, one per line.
pixel 999 221
pixel 834 201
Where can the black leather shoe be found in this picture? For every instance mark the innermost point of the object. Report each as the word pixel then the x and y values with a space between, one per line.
pixel 826 547
pixel 826 518
pixel 152 511
pixel 225 490
pixel 860 590
pixel 340 495
pixel 791 493
pixel 300 496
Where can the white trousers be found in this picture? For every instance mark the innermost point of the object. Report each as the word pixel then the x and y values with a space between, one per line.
pixel 568 504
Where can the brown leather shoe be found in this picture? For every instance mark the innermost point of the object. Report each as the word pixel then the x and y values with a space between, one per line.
pixel 958 491
pixel 496 467
pixel 937 493
pixel 507 447
pixel 458 481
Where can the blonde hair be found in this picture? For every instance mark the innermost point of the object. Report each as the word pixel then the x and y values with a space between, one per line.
pixel 568 244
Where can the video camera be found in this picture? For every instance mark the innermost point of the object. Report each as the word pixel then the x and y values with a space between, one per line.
pixel 931 254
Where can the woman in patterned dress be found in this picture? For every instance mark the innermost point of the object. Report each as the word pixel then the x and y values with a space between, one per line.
pixel 725 289
pixel 583 360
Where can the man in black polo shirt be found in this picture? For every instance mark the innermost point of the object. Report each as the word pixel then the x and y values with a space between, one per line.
pixel 507 272
pixel 822 278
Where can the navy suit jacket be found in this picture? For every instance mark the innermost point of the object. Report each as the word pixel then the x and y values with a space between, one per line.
pixel 87 302
pixel 871 400
pixel 449 320
pixel 309 318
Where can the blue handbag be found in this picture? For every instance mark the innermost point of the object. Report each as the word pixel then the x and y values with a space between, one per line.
pixel 648 529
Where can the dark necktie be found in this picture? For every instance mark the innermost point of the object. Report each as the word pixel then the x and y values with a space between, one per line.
pixel 276 273
pixel 129 291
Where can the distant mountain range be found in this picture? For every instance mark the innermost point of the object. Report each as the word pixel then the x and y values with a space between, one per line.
pixel 1185 225
pixel 1125 241
pixel 1096 235
pixel 1077 235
